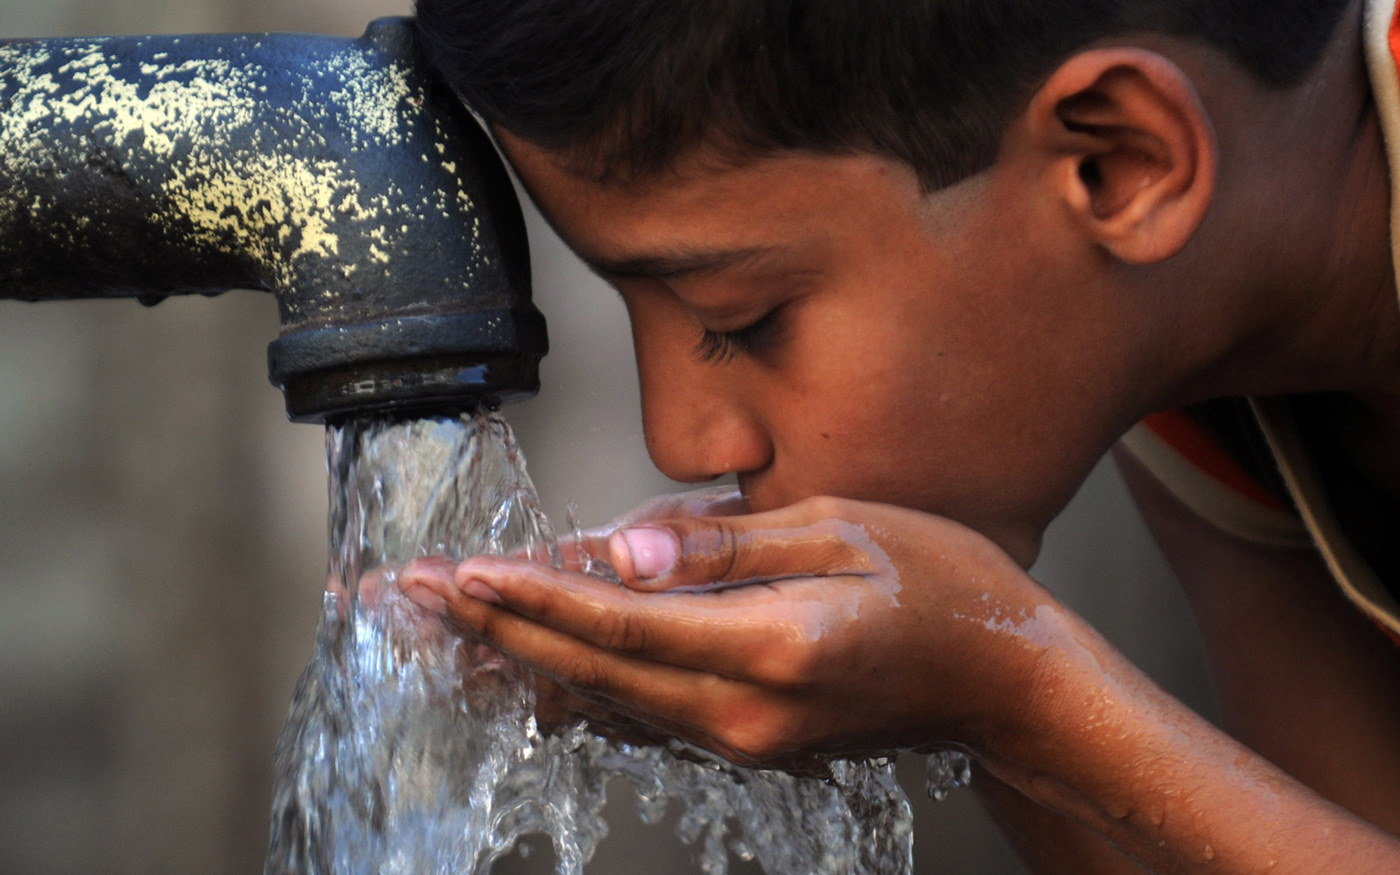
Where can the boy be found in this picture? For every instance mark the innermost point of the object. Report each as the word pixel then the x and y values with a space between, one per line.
pixel 908 268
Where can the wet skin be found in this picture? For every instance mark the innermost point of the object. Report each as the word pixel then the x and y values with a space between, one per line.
pixel 909 386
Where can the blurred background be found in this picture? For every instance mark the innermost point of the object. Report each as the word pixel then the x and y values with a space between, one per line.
pixel 163 541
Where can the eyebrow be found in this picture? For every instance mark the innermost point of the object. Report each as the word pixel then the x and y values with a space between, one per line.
pixel 678 264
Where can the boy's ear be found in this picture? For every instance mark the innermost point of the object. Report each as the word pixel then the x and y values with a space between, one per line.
pixel 1129 148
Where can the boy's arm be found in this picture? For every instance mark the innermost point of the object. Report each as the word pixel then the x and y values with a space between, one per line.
pixel 881 627
pixel 1048 842
pixel 1296 671
pixel 1301 676
pixel 1303 679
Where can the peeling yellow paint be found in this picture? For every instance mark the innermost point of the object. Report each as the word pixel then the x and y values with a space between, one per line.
pixel 373 96
pixel 230 167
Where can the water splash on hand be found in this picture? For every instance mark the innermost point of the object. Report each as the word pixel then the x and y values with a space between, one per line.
pixel 410 750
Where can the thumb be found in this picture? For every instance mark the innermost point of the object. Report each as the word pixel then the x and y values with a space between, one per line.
pixel 706 552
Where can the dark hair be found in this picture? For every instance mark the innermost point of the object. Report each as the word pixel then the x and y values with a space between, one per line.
pixel 627 85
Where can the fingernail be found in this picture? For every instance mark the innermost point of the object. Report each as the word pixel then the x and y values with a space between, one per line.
pixel 478 590
pixel 426 599
pixel 653 551
pixel 424 583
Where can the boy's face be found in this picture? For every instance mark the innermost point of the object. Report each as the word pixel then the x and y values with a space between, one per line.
pixel 957 353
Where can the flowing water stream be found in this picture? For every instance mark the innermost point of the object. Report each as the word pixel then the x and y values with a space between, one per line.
pixel 408 751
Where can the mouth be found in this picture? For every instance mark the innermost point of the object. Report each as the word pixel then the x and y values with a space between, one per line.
pixel 1025 550
pixel 754 497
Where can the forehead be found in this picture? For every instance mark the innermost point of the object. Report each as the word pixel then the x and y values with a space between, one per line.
pixel 704 197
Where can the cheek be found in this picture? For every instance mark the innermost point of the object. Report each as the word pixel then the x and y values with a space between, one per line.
pixel 905 407
pixel 913 458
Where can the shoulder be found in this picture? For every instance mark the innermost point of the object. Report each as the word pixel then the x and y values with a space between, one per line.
pixel 1228 491
pixel 1214 460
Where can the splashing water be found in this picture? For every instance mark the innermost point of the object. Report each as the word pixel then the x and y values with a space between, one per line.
pixel 409 750
pixel 948 770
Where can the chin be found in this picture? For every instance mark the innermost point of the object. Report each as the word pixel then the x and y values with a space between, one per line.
pixel 1023 550
pixel 1019 540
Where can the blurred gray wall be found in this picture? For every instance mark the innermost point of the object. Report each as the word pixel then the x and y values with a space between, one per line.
pixel 162 545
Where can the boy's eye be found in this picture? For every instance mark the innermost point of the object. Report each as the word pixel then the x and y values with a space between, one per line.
pixel 719 347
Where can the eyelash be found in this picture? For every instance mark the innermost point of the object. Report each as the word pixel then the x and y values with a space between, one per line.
pixel 720 347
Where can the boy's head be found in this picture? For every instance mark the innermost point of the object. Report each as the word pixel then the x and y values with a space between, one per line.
pixel 907 251
pixel 627 85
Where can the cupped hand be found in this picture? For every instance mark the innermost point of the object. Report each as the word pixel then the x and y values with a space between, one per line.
pixel 827 627
pixel 592 544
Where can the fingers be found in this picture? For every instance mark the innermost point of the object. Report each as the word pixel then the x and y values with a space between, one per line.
pixel 718 501
pixel 412 575
pixel 591 544
pixel 731 718
pixel 736 634
pixel 558 707
pixel 577 664
pixel 595 544
pixel 726 670
pixel 703 552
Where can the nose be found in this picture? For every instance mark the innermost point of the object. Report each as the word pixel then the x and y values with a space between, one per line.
pixel 699 418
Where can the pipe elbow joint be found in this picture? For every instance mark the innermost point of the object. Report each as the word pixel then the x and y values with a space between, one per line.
pixel 340 175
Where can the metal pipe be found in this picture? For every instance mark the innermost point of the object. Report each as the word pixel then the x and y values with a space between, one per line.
pixel 341 175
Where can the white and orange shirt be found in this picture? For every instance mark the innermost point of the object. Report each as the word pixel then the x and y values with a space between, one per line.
pixel 1249 467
